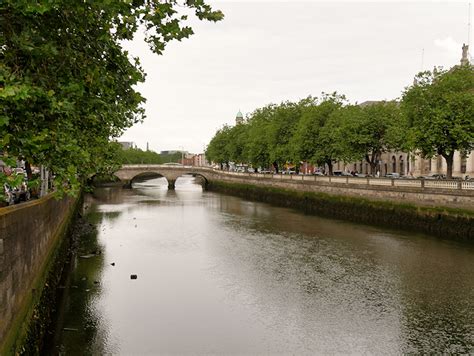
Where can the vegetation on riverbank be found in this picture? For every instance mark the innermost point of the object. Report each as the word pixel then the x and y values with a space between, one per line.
pixel 138 156
pixel 68 85
pixel 439 221
pixel 434 117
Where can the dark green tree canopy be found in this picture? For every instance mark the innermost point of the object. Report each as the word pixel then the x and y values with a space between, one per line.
pixel 369 130
pixel 218 148
pixel 67 86
pixel 309 143
pixel 440 111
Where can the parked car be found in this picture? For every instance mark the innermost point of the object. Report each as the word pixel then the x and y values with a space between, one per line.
pixel 434 176
pixel 392 175
pixel 341 173
pixel 318 173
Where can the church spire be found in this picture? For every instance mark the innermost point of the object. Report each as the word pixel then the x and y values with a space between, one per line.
pixel 465 51
pixel 239 118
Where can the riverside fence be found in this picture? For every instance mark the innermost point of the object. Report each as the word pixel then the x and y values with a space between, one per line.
pixel 453 184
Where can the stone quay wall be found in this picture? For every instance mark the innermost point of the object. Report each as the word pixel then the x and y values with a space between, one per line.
pixel 447 214
pixel 29 235
pixel 385 189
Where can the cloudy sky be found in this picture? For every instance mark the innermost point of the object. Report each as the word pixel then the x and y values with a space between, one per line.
pixel 270 51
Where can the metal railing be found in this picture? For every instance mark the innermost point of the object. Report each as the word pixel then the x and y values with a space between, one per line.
pixel 453 184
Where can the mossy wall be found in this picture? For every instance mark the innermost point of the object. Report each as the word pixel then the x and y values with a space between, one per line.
pixel 34 249
pixel 439 221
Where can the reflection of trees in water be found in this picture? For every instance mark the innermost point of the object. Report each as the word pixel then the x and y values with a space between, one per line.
pixel 415 293
pixel 308 268
pixel 437 305
pixel 109 195
pixel 89 334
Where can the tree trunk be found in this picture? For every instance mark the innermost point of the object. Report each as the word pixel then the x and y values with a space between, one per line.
pixel 449 163
pixel 329 163
pixel 275 165
pixel 29 174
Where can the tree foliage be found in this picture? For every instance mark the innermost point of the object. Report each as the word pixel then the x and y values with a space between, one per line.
pixel 218 148
pixel 440 111
pixel 67 86
pixel 370 130
pixel 311 141
pixel 138 156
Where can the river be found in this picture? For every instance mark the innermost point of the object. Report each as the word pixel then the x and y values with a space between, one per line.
pixel 217 274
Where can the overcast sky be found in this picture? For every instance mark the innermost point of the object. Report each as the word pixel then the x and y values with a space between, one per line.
pixel 270 51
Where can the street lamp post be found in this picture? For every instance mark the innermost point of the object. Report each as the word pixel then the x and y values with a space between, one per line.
pixel 182 154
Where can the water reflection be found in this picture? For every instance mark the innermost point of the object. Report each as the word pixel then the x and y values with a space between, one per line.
pixel 218 274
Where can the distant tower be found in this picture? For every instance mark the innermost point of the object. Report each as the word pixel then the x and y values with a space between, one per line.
pixel 147 147
pixel 465 51
pixel 239 119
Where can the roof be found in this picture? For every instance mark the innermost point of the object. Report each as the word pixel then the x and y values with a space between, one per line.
pixel 369 102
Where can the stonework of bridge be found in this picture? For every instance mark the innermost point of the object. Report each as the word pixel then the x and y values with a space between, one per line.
pixel 171 172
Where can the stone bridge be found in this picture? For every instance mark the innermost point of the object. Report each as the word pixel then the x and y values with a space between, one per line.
pixel 170 171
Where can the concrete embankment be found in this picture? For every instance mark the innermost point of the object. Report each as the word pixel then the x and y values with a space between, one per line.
pixel 439 220
pixel 33 251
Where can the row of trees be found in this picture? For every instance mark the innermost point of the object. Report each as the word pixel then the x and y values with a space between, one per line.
pixel 68 87
pixel 434 116
pixel 138 156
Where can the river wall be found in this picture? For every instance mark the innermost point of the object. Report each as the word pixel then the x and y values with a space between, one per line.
pixel 33 249
pixel 439 212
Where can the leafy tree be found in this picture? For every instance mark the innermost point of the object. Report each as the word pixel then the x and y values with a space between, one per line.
pixel 371 130
pixel 282 128
pixel 237 141
pixel 257 148
pixel 218 150
pixel 332 142
pixel 67 86
pixel 308 142
pixel 440 111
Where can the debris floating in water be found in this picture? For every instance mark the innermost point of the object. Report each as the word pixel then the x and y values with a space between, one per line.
pixel 133 276
pixel 112 264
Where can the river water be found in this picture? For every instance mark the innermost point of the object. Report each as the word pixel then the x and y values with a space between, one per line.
pixel 218 274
